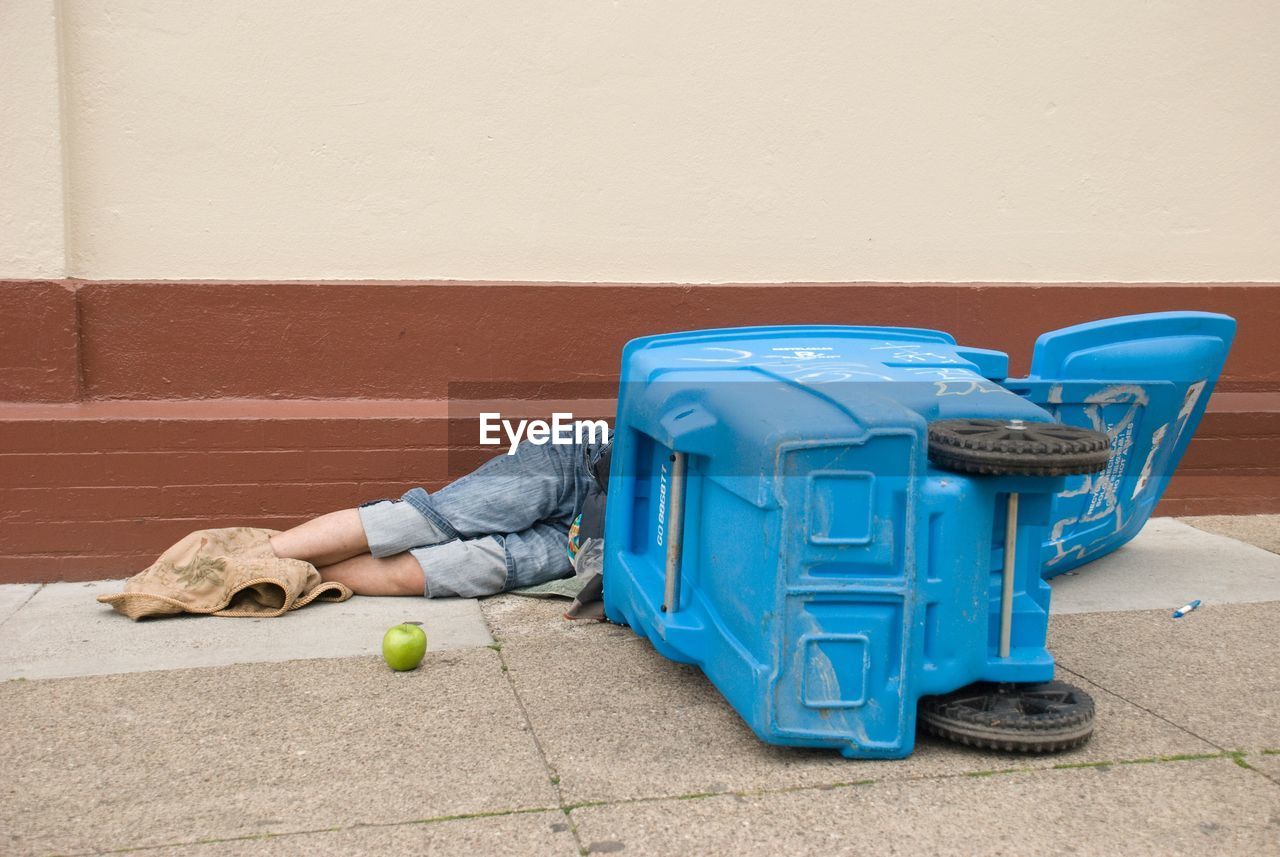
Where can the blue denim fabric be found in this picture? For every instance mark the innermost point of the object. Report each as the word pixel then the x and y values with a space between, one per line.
pixel 526 500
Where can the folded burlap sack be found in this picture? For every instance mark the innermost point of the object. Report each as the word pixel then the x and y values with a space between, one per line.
pixel 225 572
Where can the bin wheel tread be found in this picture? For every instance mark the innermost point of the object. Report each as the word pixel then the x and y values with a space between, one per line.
pixel 1035 718
pixel 1016 447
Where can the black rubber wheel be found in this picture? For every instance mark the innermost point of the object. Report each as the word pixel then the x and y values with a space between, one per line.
pixel 1024 718
pixel 1016 448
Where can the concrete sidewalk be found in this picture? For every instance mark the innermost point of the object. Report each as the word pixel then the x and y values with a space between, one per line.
pixel 60 630
pixel 557 738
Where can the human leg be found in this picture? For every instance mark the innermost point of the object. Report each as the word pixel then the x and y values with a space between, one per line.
pixel 473 568
pixel 500 527
pixel 370 575
pixel 381 528
pixel 324 540
pixel 387 548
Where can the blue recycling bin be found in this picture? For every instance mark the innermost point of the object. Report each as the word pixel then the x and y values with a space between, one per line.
pixel 774 518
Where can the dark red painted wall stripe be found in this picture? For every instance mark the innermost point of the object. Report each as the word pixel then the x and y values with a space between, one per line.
pixel 176 340
pixel 132 413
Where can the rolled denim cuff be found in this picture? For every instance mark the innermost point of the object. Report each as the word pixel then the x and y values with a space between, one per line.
pixel 393 527
pixel 464 569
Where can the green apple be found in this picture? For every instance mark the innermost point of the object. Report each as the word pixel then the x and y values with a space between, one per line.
pixel 403 647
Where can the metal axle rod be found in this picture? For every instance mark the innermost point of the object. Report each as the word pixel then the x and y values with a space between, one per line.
pixel 1006 588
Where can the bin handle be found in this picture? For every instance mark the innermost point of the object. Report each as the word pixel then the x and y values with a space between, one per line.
pixel 675 534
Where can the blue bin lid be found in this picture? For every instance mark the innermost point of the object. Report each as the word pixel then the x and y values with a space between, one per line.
pixel 873 378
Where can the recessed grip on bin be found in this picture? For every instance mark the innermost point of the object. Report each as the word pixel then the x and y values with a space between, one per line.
pixel 675 534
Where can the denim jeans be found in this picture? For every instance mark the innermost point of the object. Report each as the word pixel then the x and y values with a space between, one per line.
pixel 503 526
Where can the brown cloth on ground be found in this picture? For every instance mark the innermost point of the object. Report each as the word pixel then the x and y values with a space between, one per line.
pixel 226 572
pixel 589 603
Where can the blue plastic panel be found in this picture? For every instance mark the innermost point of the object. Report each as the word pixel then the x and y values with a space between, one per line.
pixel 1144 380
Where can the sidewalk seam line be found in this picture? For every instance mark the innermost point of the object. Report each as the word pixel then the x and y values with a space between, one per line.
pixel 253 837
pixel 762 792
pixel 1240 760
pixel 553 775
pixel 37 591
pixel 1224 535
pixel 1139 705
pixel 919 778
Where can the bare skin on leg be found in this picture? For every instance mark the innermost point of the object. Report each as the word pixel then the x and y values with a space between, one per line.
pixel 325 540
pixel 336 545
pixel 370 575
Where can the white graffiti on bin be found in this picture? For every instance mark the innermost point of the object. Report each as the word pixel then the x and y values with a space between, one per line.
pixel 804 365
pixel 1101 488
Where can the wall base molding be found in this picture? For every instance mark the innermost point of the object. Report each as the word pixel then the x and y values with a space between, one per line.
pixel 133 413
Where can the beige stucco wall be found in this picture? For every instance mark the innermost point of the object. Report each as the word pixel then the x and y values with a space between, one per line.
pixel 664 140
pixel 31 225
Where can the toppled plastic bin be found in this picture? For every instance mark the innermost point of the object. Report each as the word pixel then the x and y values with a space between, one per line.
pixel 826 521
